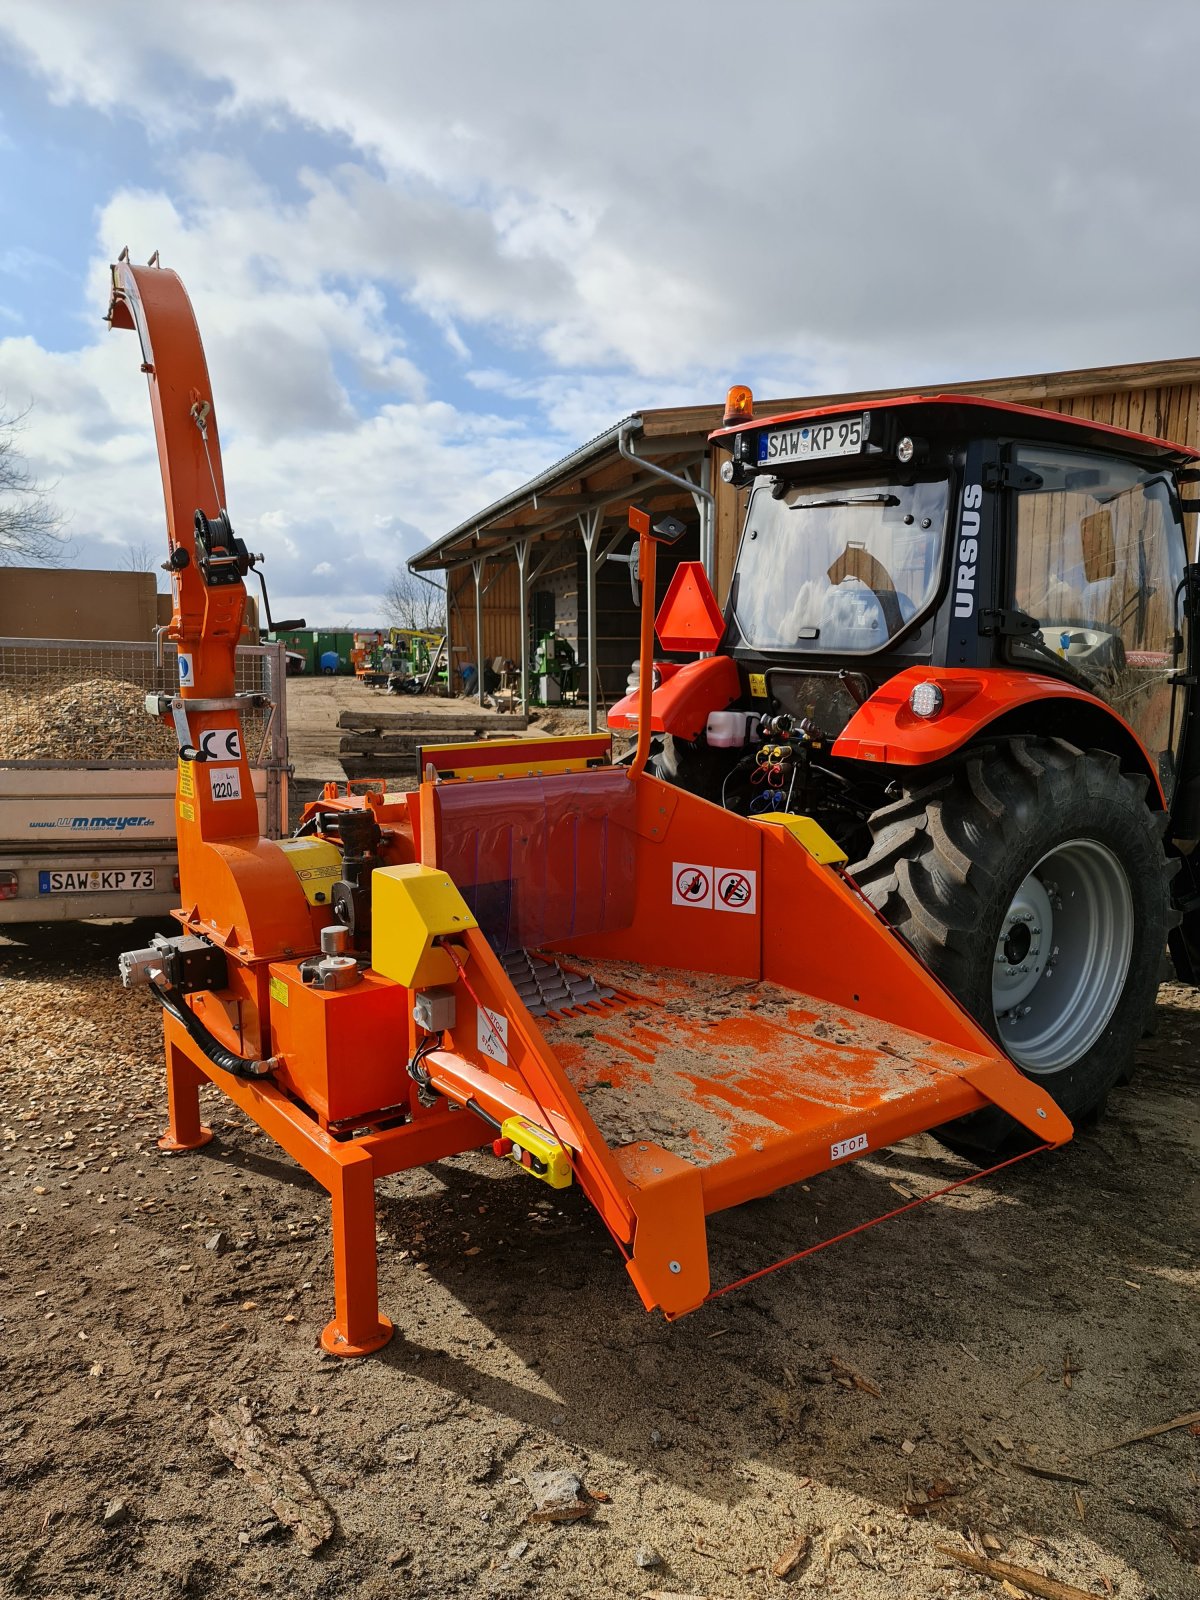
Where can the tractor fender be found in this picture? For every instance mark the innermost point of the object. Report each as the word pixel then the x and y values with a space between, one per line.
pixel 681 703
pixel 993 700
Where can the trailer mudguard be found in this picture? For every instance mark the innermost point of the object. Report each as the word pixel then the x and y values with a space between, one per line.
pixel 681 703
pixel 885 729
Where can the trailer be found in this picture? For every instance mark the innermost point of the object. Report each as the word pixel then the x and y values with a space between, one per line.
pixel 87 780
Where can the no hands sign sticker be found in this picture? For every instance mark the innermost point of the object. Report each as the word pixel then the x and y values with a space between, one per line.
pixel 692 885
pixel 714 888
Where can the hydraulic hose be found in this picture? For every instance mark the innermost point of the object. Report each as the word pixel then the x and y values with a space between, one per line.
pixel 228 1060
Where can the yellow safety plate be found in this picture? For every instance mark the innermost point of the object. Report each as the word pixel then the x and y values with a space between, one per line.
pixel 411 906
pixel 758 685
pixel 810 834
pixel 318 865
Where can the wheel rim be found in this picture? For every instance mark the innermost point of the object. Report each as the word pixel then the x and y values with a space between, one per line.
pixel 1062 955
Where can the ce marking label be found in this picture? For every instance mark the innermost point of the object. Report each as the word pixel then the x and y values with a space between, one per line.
pixel 221 744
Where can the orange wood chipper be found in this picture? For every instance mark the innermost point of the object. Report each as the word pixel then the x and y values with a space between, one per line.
pixel 604 979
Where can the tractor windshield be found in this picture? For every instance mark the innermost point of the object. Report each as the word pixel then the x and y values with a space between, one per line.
pixel 837 566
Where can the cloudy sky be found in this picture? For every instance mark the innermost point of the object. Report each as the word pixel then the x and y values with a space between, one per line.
pixel 432 247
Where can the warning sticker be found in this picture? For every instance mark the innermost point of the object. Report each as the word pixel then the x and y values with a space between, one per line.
pixel 758 685
pixel 736 890
pixel 221 744
pixel 847 1147
pixel 225 782
pixel 187 780
pixel 279 991
pixel 491 1034
pixel 186 811
pixel 692 885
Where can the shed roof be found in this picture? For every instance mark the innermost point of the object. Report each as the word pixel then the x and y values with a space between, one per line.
pixel 596 474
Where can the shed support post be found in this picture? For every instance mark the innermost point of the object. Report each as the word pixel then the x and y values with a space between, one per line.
pixel 449 639
pixel 523 619
pixel 478 565
pixel 589 526
pixel 705 504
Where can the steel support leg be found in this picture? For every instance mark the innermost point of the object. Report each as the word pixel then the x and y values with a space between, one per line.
pixel 523 623
pixel 479 564
pixel 589 526
pixel 357 1328
pixel 185 1131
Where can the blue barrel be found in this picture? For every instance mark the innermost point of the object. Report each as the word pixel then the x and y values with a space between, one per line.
pixel 329 661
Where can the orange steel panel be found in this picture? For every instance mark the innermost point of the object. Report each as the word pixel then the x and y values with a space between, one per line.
pixel 675 921
pixel 761 1087
pixel 344 1050
pixel 821 937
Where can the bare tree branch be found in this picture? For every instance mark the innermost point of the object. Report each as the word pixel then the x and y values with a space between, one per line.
pixel 138 558
pixel 410 602
pixel 30 523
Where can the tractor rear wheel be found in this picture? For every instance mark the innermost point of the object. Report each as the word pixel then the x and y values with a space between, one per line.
pixel 1031 879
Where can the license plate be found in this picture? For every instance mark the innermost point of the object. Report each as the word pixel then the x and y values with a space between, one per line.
pixel 810 442
pixel 97 881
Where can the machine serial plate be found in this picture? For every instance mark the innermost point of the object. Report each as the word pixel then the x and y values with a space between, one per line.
pixel 98 880
pixel 841 437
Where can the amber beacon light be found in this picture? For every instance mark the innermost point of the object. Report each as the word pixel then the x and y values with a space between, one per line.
pixel 739 405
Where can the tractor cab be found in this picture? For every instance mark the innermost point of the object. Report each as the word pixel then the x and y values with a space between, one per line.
pixel 963 534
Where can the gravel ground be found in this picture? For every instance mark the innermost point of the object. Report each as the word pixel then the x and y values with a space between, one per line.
pixel 942 1380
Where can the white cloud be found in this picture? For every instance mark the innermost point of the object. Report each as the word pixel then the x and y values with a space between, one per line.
pixel 637 205
pixel 684 185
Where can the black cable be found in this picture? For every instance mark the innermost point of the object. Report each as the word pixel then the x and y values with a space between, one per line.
pixel 229 1061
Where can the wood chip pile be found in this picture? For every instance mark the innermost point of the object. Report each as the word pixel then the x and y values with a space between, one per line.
pixel 90 719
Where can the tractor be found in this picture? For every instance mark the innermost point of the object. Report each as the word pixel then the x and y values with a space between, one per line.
pixel 961 636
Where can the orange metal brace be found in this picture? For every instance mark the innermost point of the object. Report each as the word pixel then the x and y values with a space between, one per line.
pixel 346 1169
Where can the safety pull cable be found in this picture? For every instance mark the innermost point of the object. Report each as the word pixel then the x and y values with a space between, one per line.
pixel 200 413
pixel 839 1238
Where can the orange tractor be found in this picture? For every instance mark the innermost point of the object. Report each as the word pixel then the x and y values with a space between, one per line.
pixel 962 637
pixel 578 967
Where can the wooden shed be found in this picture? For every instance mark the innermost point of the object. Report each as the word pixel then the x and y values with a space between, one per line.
pixel 535 560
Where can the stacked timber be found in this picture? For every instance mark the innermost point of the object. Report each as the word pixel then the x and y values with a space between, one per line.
pixel 384 744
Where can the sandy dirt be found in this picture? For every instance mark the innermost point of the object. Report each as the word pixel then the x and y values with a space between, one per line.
pixel 943 1379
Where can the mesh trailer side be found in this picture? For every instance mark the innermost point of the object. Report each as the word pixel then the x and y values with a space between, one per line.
pixel 72 702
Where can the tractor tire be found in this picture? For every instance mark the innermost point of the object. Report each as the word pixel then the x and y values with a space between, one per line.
pixel 1031 879
pixel 686 766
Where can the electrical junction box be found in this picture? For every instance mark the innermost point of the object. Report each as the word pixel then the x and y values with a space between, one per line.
pixel 434 1010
